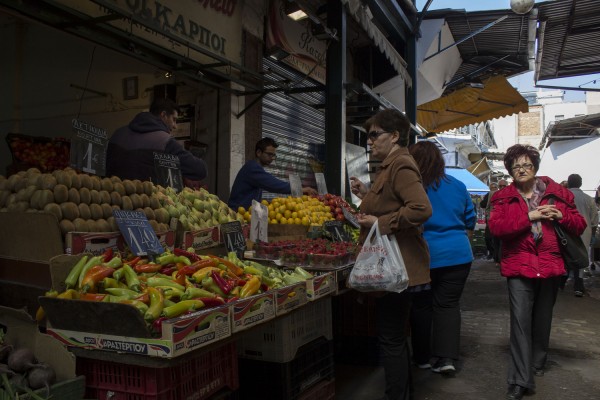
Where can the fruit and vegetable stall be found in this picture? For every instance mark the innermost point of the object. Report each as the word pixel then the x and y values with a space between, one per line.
pixel 193 320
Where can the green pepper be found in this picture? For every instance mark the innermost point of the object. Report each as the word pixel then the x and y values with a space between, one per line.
pixel 253 271
pixel 128 293
pixel 133 282
pixel 115 262
pixel 166 258
pixel 192 292
pixel 156 304
pixel 71 280
pixel 181 307
pixel 159 281
pixel 88 265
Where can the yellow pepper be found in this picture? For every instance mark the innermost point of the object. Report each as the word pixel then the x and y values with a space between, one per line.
pixel 251 287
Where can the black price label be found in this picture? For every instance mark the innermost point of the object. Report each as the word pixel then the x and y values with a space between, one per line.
pixel 234 237
pixel 88 148
pixel 138 234
pixel 337 231
pixel 350 217
pixel 168 170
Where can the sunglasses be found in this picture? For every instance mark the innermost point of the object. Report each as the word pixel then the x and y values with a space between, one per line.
pixel 373 135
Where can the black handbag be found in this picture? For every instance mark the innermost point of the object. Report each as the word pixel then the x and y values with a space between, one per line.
pixel 574 252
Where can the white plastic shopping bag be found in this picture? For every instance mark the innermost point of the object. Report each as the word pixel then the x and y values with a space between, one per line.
pixel 379 266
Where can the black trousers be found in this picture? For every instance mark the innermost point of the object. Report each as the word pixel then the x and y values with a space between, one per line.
pixel 392 315
pixel 531 305
pixel 435 314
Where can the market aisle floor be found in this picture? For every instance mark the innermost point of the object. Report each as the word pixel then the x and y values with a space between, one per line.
pixel 574 358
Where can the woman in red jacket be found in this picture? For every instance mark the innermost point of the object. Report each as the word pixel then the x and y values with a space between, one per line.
pixel 522 218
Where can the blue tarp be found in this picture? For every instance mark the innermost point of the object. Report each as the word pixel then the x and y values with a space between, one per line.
pixel 474 185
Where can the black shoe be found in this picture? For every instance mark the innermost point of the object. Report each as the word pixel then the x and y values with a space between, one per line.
pixel 578 293
pixel 538 371
pixel 516 392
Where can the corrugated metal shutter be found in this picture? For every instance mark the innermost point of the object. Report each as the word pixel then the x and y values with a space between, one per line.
pixel 297 126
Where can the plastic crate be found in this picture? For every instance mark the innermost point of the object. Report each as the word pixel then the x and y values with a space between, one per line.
pixel 357 350
pixel 354 314
pixel 279 340
pixel 324 390
pixel 287 381
pixel 197 378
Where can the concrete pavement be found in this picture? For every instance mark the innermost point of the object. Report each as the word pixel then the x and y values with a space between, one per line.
pixel 573 368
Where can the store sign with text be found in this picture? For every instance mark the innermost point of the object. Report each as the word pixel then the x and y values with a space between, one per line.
pixel 211 25
pixel 295 41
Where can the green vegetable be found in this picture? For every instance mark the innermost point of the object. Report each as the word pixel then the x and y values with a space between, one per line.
pixel 71 280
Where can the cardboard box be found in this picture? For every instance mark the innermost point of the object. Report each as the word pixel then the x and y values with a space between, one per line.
pixel 340 275
pixel 97 243
pixel 320 286
pixel 22 331
pixel 121 328
pixel 286 232
pixel 201 239
pixel 252 311
pixel 289 298
pixel 179 335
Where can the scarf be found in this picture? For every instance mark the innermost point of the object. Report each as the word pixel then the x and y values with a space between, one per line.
pixel 539 188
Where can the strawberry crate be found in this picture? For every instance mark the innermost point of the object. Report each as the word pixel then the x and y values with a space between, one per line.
pixel 266 380
pixel 280 339
pixel 324 390
pixel 196 378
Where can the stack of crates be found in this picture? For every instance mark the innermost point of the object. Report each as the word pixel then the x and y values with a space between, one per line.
pixel 355 334
pixel 291 357
pixel 212 374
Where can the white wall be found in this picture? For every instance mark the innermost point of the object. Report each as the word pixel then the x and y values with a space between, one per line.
pixel 505 131
pixel 567 110
pixel 593 102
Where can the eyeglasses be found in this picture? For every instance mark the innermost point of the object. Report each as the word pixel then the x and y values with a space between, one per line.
pixel 272 155
pixel 526 167
pixel 502 186
pixel 373 135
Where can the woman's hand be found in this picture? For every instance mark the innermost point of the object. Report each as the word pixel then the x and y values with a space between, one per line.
pixel 547 211
pixel 358 188
pixel 365 220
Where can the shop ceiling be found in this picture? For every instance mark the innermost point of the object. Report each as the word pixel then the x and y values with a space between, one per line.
pixel 582 127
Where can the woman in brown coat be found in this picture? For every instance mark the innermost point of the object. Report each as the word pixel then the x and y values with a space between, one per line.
pixel 398 202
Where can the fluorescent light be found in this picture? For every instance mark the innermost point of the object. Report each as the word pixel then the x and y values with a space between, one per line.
pixel 297 15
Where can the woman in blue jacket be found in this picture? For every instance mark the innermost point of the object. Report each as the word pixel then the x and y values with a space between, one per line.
pixel 435 314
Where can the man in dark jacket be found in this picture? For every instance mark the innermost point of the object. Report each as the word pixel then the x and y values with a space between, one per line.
pixel 130 153
pixel 252 179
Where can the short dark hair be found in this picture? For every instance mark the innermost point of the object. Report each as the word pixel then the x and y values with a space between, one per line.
pixel 163 104
pixel 514 152
pixel 430 161
pixel 574 181
pixel 263 143
pixel 391 120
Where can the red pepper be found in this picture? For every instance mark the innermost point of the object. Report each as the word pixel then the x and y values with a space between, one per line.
pixel 232 299
pixel 221 283
pixel 108 254
pixel 149 268
pixel 144 298
pixel 198 265
pixel 212 301
pixel 92 296
pixel 192 256
pixel 241 282
pixel 133 261
pixel 264 287
pixel 93 276
pixel 168 269
pixel 157 325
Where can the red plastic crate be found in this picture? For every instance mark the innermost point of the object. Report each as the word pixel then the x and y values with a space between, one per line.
pixel 197 378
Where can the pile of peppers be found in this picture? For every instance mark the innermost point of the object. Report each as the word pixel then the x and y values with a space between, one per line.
pixel 172 284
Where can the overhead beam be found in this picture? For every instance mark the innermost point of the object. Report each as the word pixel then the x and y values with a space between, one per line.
pixel 398 27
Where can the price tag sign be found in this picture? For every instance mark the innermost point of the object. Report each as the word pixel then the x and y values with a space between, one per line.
pixel 88 148
pixel 351 218
pixel 295 185
pixel 259 222
pixel 138 234
pixel 321 185
pixel 168 171
pixel 233 237
pixel 337 231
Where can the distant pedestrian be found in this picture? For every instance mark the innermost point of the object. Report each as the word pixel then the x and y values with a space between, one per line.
pixel 491 243
pixel 522 217
pixel 587 208
pixel 435 314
